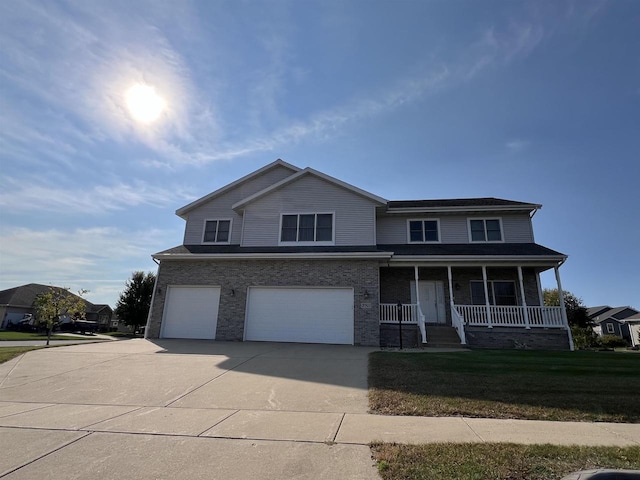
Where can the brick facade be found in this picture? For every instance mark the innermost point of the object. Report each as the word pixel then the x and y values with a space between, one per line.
pixel 238 275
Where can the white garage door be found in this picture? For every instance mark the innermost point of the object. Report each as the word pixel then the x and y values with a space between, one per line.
pixel 308 315
pixel 191 312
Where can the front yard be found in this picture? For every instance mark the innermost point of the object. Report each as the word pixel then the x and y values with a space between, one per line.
pixel 561 386
pixel 569 386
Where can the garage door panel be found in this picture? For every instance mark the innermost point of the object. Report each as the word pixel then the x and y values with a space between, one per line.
pixel 310 315
pixel 191 312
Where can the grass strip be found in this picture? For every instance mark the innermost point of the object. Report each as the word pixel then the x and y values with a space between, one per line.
pixel 11 336
pixel 7 353
pixel 560 386
pixel 496 461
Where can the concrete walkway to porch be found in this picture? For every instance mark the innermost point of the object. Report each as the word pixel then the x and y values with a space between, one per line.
pixel 185 409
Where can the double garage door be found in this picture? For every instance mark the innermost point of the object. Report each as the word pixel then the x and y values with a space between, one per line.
pixel 308 315
pixel 275 314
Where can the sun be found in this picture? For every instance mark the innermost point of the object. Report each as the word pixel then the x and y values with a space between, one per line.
pixel 143 103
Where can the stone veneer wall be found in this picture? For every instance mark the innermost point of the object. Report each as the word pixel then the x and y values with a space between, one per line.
pixel 238 275
pixel 517 338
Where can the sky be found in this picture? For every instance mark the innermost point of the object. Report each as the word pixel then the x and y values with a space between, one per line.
pixel 535 101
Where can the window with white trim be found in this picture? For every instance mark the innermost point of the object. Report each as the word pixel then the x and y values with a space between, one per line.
pixel 217 231
pixel 307 228
pixel 485 230
pixel 423 231
pixel 610 328
pixel 500 293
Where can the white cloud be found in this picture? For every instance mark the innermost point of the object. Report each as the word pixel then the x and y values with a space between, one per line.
pixel 34 194
pixel 100 259
pixel 517 145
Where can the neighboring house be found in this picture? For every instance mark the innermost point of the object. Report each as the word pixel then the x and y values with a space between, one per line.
pixel 623 322
pixel 18 302
pixel 294 255
pixel 102 314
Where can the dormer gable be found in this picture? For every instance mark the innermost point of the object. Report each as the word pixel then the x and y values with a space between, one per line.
pixel 278 164
pixel 302 174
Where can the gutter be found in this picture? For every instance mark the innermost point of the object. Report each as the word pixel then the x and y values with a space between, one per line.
pixel 266 256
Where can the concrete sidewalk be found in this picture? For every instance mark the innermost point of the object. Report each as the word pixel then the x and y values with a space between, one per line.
pixel 190 410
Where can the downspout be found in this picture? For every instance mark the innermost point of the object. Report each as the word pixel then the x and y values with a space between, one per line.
pixel 153 298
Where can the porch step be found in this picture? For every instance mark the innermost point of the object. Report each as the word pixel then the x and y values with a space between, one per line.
pixel 442 337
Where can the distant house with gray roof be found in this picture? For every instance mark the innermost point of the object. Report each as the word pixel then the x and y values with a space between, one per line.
pixel 17 303
pixel 623 322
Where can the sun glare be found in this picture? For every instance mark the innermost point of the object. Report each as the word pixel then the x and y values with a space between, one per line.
pixel 144 104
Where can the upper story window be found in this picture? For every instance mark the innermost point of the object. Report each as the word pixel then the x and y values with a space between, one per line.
pixel 485 230
pixel 610 328
pixel 500 293
pixel 217 231
pixel 421 231
pixel 307 228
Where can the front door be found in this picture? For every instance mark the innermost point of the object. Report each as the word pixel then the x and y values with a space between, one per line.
pixel 431 300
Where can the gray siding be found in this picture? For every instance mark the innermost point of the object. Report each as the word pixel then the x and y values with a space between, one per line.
pixel 453 228
pixel 354 215
pixel 220 207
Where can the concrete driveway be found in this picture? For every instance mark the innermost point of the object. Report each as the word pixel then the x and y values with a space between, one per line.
pixel 183 409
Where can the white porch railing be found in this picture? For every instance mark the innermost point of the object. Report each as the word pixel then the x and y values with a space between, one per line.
pixel 457 322
pixel 389 313
pixel 411 314
pixel 511 316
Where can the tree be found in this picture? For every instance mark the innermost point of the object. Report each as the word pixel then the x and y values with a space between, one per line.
pixel 134 303
pixel 56 303
pixel 580 323
pixel 576 310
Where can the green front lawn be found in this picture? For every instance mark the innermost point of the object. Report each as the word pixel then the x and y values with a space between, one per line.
pixel 496 461
pixel 573 386
pixel 9 335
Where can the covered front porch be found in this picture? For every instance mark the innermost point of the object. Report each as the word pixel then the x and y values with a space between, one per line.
pixel 481 302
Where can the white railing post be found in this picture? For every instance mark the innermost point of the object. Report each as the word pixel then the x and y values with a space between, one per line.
pixel 524 300
pixel 486 296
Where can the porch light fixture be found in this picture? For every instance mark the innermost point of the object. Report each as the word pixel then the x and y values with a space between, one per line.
pixel 457 286
pixel 233 292
pixel 366 293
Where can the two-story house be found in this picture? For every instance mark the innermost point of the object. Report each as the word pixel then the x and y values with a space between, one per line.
pixel 294 255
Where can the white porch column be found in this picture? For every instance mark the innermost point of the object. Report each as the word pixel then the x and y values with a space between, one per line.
pixel 486 295
pixel 556 268
pixel 415 275
pixel 524 300
pixel 449 274
pixel 421 324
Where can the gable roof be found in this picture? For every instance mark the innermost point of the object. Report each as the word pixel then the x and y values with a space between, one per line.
pixel 595 311
pixel 460 204
pixel 22 296
pixel 181 212
pixel 619 314
pixel 302 173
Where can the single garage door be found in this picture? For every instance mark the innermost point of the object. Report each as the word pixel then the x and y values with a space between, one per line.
pixel 308 315
pixel 191 312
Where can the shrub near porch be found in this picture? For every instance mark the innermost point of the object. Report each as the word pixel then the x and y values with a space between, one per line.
pixel 569 386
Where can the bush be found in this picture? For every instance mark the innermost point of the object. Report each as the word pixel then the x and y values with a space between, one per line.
pixel 584 337
pixel 611 341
